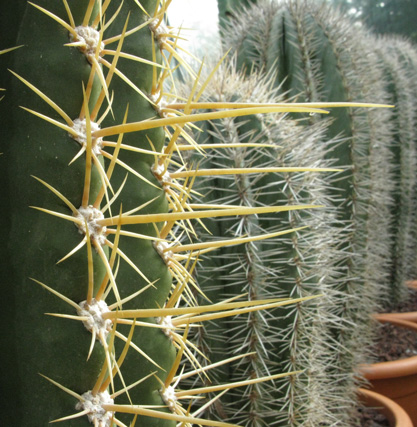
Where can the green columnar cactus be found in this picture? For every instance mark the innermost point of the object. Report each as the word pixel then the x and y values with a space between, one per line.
pixel 408 60
pixel 410 63
pixel 97 219
pixel 318 55
pixel 396 55
pixel 44 152
pixel 300 264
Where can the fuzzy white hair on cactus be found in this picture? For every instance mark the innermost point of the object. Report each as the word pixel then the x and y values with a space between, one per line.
pixel 88 40
pixel 94 311
pixel 89 216
pixel 80 127
pixel 92 405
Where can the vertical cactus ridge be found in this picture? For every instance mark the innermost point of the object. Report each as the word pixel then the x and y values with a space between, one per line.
pixel 392 54
pixel 99 220
pixel 226 265
pixel 407 59
pixel 368 194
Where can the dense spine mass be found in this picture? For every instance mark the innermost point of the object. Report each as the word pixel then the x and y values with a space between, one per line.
pixel 299 264
pixel 398 58
pixel 318 55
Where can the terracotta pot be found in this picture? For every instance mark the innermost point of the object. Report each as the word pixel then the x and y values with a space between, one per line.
pixel 396 379
pixel 408 316
pixel 395 414
pixel 412 284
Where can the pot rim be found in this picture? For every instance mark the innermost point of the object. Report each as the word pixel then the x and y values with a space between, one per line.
pixel 396 415
pixel 394 368
pixel 410 316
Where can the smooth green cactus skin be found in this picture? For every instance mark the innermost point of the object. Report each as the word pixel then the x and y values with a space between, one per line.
pixel 36 241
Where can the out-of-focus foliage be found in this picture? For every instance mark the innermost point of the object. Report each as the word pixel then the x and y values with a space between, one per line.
pixel 385 16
